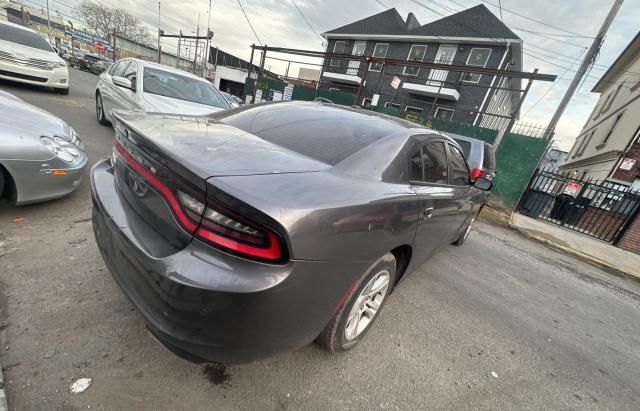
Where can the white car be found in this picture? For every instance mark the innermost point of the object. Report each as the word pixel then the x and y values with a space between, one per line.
pixel 133 84
pixel 26 57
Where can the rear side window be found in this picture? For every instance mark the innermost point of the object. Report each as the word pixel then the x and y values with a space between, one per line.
pixel 466 147
pixel 458 167
pixel 428 163
pixel 489 161
pixel 23 37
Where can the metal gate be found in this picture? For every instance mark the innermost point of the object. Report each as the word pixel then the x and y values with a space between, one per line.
pixel 600 209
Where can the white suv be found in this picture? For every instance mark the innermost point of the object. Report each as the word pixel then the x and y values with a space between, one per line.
pixel 25 56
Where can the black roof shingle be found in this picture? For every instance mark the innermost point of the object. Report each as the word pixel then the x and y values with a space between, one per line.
pixel 476 21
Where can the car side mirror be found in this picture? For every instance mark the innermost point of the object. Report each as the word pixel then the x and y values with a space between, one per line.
pixel 483 184
pixel 123 82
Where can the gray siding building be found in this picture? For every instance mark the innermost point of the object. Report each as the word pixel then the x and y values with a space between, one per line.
pixel 473 37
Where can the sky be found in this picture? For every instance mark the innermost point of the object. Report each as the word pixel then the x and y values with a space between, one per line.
pixel 279 23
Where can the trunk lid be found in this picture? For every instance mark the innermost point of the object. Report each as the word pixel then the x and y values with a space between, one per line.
pixel 201 147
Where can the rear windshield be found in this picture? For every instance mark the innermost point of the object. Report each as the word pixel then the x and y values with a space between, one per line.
pixel 489 158
pixel 465 146
pixel 24 37
pixel 311 131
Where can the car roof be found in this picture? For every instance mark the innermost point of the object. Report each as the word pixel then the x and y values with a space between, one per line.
pixel 169 69
pixel 18 26
pixel 465 138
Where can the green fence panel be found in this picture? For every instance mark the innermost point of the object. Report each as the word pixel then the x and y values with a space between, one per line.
pixel 516 160
pixel 299 92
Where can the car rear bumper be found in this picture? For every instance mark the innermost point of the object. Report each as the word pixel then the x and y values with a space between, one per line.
pixel 57 78
pixel 205 305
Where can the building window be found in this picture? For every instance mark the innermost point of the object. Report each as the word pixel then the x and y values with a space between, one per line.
pixel 584 143
pixel 338 48
pixel 389 104
pixel 478 57
pixel 415 54
pixel 609 101
pixel 413 110
pixel 444 113
pixel 615 123
pixel 379 51
pixel 366 102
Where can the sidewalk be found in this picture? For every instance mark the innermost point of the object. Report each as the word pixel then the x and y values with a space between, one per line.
pixel 594 251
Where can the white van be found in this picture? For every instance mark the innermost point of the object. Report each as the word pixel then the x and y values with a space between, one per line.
pixel 25 56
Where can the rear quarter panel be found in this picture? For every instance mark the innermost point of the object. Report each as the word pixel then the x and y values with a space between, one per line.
pixel 331 217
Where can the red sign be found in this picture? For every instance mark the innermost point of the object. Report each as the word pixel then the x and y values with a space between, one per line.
pixel 99 46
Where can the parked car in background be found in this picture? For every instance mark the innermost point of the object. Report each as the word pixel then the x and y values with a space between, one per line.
pixel 86 61
pixel 479 154
pixel 261 228
pixel 41 156
pixel 100 66
pixel 133 84
pixel 235 101
pixel 26 57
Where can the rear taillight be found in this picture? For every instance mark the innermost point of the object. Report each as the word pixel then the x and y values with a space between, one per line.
pixel 475 173
pixel 232 232
pixel 212 222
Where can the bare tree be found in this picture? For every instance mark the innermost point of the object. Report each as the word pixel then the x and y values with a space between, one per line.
pixel 103 21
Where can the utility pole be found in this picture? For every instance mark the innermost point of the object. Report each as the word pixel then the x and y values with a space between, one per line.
pixel 179 44
pixel 159 35
pixel 195 54
pixel 48 19
pixel 588 60
pixel 206 52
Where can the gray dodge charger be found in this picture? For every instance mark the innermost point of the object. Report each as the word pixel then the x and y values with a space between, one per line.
pixel 263 228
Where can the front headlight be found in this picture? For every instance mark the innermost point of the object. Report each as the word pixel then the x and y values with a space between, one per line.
pixel 56 64
pixel 61 148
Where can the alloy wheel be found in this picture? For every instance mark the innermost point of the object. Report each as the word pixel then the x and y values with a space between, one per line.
pixel 367 305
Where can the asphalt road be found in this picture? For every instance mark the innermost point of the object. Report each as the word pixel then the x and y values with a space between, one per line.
pixel 500 323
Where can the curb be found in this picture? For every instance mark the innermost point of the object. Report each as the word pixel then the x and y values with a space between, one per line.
pixel 571 251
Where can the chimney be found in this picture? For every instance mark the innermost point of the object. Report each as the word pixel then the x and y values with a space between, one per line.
pixel 412 22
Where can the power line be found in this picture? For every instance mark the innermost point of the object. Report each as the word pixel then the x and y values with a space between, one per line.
pixel 249 21
pixel 553 84
pixel 383 5
pixel 536 21
pixel 308 23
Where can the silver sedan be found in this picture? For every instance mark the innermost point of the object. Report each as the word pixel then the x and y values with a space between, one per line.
pixel 133 84
pixel 41 156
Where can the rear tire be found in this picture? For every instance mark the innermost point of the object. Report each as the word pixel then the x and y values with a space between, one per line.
pixel 361 308
pixel 100 111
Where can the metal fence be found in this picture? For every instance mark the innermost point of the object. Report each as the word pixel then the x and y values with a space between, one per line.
pixel 600 209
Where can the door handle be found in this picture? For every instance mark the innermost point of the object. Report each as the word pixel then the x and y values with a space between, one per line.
pixel 428 212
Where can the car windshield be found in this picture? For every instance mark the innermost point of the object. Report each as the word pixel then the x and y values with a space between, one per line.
pixel 24 37
pixel 465 146
pixel 164 83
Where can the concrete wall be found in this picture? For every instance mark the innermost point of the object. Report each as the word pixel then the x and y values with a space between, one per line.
pixel 471 97
pixel 229 73
pixel 128 48
pixel 305 73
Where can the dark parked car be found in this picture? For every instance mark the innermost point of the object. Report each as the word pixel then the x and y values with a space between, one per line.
pixel 100 66
pixel 479 154
pixel 262 228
